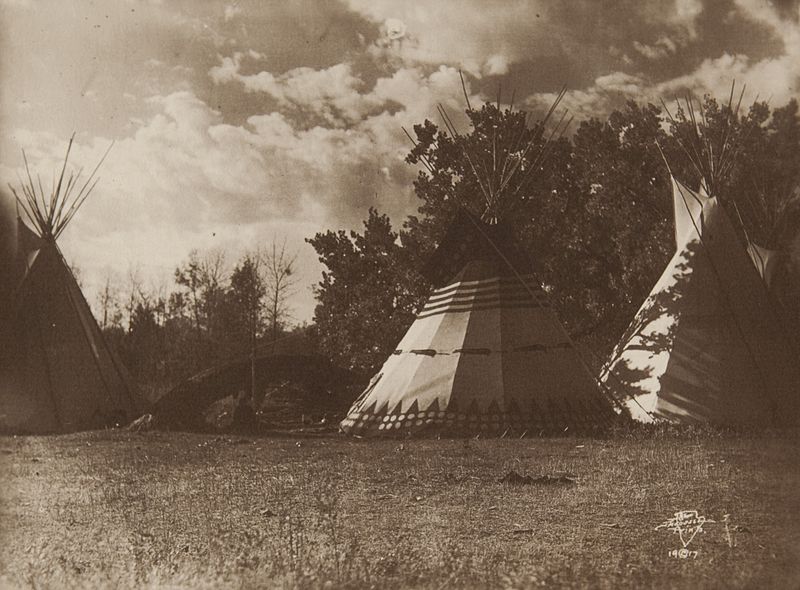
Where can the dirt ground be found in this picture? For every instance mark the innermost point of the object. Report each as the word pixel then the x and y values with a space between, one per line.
pixel 132 510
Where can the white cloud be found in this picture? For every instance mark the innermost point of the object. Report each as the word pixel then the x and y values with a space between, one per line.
pixel 497 65
pixel 487 38
pixel 357 119
pixel 332 94
pixel 685 15
pixel 649 51
pixel 185 179
pixel 231 11
pixel 606 93
pixel 663 47
pixel 480 39
pixel 776 77
pixel 325 141
pixel 16 3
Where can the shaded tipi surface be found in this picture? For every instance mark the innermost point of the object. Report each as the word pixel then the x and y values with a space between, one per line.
pixel 765 260
pixel 57 372
pixel 707 345
pixel 486 354
pixel 8 248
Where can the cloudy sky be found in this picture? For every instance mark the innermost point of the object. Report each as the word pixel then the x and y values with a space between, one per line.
pixel 238 121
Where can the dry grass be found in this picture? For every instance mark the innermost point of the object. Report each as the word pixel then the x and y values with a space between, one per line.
pixel 127 510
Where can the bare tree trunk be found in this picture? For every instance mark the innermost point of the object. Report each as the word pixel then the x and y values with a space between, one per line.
pixel 135 289
pixel 253 322
pixel 275 303
pixel 279 279
pixel 107 296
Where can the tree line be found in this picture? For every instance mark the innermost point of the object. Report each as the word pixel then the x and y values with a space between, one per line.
pixel 595 217
pixel 211 314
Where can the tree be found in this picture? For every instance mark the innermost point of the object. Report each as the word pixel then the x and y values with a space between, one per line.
pixel 201 278
pixel 587 211
pixel 463 170
pixel 613 237
pixel 108 300
pixel 245 302
pixel 245 299
pixel 144 347
pixel 134 290
pixel 278 277
pixel 595 215
pixel 368 294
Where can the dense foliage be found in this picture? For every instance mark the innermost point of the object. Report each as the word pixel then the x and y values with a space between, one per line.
pixel 368 295
pixel 595 215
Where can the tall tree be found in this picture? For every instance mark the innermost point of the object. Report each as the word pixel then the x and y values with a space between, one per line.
pixel 108 301
pixel 133 292
pixel 279 280
pixel 612 237
pixel 368 293
pixel 201 278
pixel 246 300
pixel 563 204
pixel 595 215
pixel 144 348
pixel 245 304
pixel 501 154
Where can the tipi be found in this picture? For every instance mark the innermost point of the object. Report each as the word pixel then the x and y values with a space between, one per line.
pixel 57 373
pixel 8 252
pixel 707 346
pixel 486 354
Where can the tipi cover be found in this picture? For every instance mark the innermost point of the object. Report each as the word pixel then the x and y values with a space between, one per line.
pixel 485 354
pixel 707 346
pixel 57 373
pixel 8 253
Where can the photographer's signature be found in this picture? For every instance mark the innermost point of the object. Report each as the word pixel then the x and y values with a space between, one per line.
pixel 687 524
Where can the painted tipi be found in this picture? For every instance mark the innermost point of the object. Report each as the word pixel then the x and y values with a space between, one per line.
pixel 486 354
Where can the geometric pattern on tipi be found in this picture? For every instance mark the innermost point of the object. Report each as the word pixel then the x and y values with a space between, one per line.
pixel 57 372
pixel 707 346
pixel 486 354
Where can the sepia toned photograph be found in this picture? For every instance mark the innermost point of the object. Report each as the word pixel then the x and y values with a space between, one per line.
pixel 382 294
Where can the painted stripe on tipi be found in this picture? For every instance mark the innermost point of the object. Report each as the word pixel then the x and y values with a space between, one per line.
pixel 482 295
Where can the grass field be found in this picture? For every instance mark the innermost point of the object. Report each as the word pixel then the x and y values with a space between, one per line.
pixel 128 510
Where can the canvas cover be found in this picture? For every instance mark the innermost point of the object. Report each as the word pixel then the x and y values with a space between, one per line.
pixel 8 251
pixel 486 354
pixel 706 346
pixel 765 261
pixel 57 373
